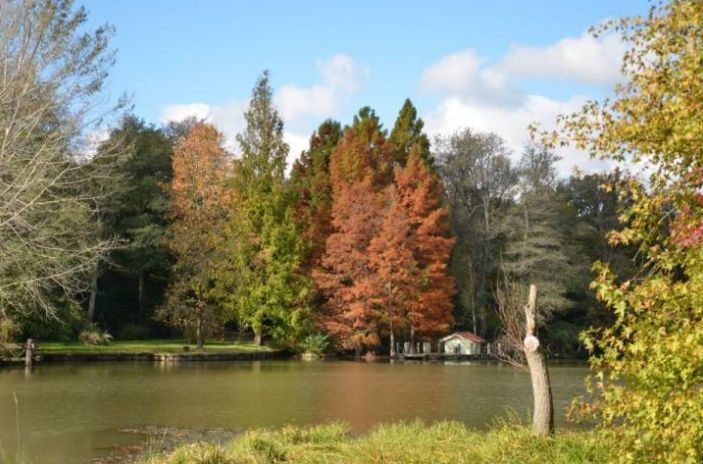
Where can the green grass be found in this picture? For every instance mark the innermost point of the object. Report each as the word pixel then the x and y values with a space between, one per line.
pixel 144 346
pixel 409 443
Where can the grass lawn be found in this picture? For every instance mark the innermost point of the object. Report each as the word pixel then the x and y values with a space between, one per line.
pixel 145 346
pixel 411 443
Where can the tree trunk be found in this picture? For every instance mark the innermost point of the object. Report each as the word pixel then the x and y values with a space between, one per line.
pixel 140 290
pixel 473 318
pixel 390 320
pixel 257 338
pixel 412 340
pixel 543 407
pixel 393 353
pixel 93 295
pixel 199 331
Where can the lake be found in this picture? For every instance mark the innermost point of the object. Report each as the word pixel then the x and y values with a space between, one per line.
pixel 74 413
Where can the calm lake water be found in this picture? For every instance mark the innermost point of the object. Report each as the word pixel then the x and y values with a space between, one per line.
pixel 74 413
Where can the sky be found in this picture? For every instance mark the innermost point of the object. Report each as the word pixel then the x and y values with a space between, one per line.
pixel 489 65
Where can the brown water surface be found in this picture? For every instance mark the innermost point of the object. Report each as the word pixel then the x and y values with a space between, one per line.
pixel 74 413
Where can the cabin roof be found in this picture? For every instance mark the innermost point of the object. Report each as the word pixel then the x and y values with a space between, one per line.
pixel 470 336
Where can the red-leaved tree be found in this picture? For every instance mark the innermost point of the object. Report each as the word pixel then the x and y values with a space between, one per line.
pixel 394 268
pixel 359 168
pixel 200 203
pixel 420 193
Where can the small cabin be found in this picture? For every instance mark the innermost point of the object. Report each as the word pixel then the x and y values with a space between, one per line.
pixel 463 343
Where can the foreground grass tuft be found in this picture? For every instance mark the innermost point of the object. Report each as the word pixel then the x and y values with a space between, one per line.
pixel 407 443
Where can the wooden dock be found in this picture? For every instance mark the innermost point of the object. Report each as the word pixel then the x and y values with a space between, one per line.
pixel 438 357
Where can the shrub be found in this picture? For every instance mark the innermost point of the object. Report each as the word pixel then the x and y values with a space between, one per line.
pixel 8 330
pixel 315 343
pixel 92 335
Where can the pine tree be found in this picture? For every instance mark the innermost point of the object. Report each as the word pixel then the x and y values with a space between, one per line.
pixel 258 277
pixel 536 251
pixel 363 151
pixel 199 201
pixel 407 134
pixel 311 187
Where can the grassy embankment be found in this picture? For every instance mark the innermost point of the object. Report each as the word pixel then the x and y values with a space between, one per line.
pixel 145 346
pixel 411 443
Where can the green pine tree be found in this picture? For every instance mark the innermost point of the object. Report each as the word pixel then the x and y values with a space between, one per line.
pixel 537 250
pixel 407 132
pixel 258 276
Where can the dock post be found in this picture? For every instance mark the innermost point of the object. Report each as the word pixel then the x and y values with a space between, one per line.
pixel 29 352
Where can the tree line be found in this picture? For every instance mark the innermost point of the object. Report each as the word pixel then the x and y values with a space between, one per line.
pixel 373 238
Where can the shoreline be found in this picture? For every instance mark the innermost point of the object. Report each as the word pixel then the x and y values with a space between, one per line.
pixel 157 351
pixel 56 358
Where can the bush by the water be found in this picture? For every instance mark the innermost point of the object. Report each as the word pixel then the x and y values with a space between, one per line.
pixel 92 335
pixel 441 443
pixel 315 343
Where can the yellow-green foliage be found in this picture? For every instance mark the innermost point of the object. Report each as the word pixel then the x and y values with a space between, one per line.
pixel 412 443
pixel 648 366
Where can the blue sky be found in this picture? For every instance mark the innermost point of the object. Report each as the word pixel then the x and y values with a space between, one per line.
pixel 490 65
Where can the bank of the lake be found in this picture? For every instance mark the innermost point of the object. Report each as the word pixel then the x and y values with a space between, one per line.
pixel 408 443
pixel 148 350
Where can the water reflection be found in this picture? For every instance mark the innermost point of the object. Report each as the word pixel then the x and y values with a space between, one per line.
pixel 70 413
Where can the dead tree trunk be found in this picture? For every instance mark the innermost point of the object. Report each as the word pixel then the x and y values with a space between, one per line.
pixel 543 407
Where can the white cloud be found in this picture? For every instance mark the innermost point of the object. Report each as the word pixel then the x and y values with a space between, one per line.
pixel 487 96
pixel 296 103
pixel 341 72
pixel 299 106
pixel 178 113
pixel 89 144
pixel 342 77
pixel 463 74
pixel 228 118
pixel 510 123
pixel 453 74
pixel 585 59
pixel 297 143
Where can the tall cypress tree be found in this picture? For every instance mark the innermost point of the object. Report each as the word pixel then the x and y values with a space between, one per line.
pixel 407 134
pixel 258 274
pixel 360 170
pixel 311 187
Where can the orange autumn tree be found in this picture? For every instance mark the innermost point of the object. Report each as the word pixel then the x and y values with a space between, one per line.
pixel 360 169
pixel 199 200
pixel 420 192
pixel 311 188
pixel 395 269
